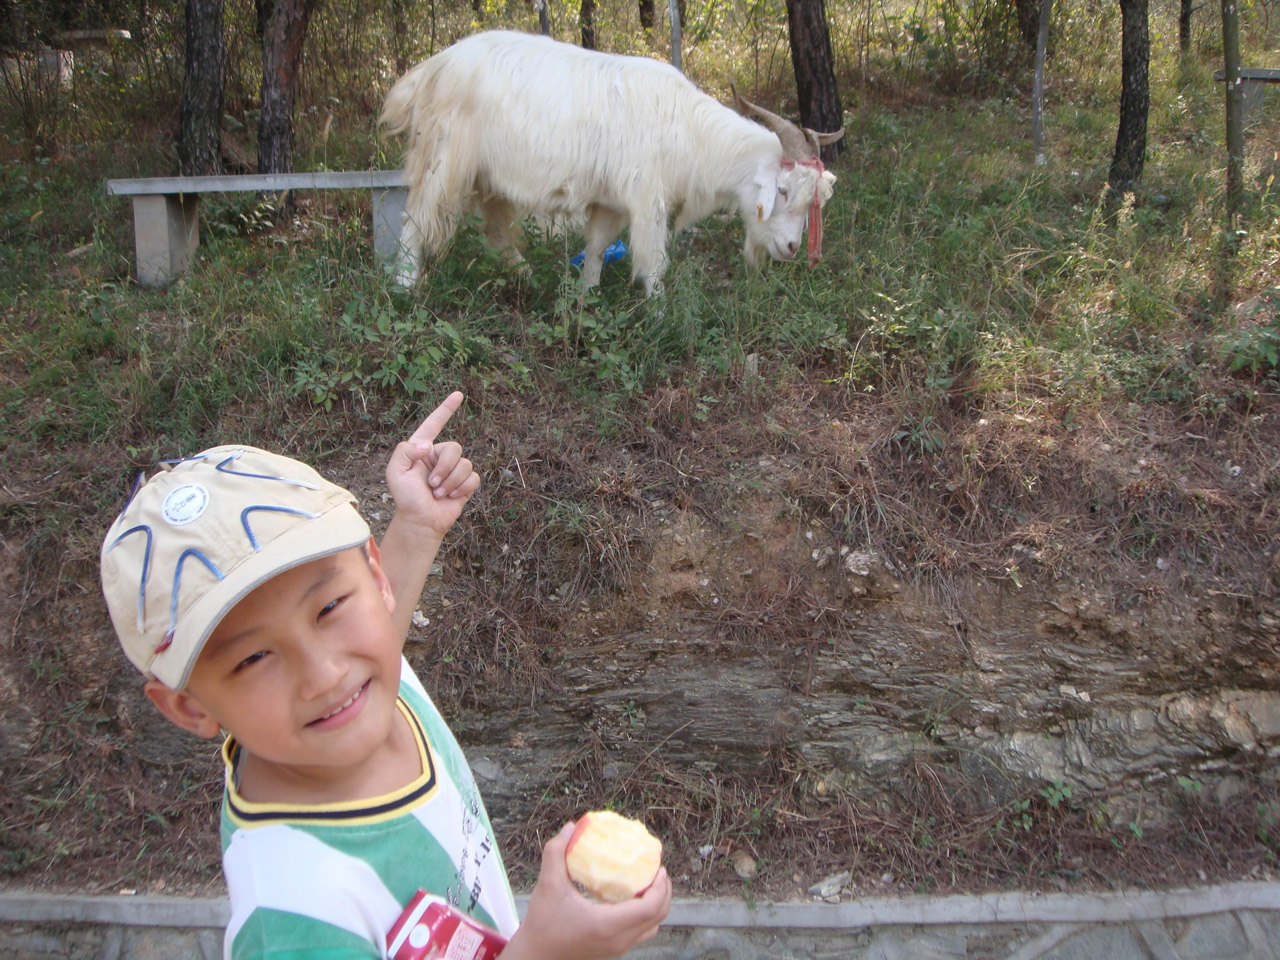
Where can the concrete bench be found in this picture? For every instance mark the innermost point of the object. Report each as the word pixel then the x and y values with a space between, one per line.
pixel 1253 84
pixel 166 227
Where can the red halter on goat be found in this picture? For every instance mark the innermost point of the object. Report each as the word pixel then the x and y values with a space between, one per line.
pixel 815 209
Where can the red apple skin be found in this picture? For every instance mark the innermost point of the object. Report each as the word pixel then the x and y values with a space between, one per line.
pixel 578 828
pixel 577 832
pixel 640 893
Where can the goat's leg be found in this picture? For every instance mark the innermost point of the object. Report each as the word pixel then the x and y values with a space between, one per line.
pixel 649 251
pixel 430 217
pixel 602 226
pixel 499 218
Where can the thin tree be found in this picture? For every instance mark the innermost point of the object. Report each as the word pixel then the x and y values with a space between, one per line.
pixel 282 25
pixel 587 21
pixel 1028 12
pixel 399 35
pixel 1135 97
pixel 814 67
pixel 1037 82
pixel 1234 116
pixel 1185 9
pixel 200 114
pixel 677 23
pixel 13 23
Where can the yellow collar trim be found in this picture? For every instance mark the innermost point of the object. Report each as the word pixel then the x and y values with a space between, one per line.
pixel 247 813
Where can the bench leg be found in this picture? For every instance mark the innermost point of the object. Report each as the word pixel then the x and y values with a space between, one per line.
pixel 166 232
pixel 388 221
pixel 1252 93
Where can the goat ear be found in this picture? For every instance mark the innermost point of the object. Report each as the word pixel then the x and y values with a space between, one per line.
pixel 825 185
pixel 766 192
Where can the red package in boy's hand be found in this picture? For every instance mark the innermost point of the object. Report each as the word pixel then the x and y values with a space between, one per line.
pixel 429 929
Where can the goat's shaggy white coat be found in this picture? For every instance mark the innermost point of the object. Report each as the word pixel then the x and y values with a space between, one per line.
pixel 510 124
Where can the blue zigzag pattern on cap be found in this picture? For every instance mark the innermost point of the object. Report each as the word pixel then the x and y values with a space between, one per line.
pixel 226 467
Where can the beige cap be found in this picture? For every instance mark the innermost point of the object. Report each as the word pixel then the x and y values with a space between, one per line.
pixel 201 534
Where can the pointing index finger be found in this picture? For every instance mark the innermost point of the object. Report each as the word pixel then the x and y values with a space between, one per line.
pixel 430 428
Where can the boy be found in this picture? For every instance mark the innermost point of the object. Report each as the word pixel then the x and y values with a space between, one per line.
pixel 249 591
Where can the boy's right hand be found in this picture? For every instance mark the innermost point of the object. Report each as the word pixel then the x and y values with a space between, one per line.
pixel 431 481
pixel 562 924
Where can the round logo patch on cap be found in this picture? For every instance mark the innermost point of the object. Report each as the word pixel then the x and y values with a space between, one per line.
pixel 184 504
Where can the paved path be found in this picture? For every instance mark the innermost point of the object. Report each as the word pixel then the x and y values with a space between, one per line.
pixel 1231 922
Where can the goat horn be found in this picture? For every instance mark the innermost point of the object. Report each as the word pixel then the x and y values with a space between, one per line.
pixel 827 138
pixel 795 145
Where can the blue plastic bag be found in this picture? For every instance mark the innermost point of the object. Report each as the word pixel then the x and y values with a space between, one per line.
pixel 615 251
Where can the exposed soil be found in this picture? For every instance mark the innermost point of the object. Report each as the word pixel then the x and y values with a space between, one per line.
pixel 792 636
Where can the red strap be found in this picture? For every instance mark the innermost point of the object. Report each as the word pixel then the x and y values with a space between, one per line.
pixel 815 210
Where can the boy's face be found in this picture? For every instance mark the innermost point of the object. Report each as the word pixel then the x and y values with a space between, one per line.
pixel 304 671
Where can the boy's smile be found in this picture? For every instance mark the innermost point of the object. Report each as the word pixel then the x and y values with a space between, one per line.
pixel 345 710
pixel 304 674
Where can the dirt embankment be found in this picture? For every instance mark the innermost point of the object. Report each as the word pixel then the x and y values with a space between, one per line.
pixel 794 636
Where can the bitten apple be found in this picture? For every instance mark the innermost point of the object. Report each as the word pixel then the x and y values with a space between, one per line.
pixel 613 857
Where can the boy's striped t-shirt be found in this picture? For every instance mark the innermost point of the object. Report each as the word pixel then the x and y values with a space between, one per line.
pixel 328 881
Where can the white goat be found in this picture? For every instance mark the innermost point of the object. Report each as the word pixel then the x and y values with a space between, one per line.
pixel 510 124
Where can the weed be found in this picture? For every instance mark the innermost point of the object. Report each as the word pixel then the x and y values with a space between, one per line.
pixel 1190 784
pixel 1021 815
pixel 920 436
pixel 380 350
pixel 1268 829
pixel 1056 793
pixel 1255 348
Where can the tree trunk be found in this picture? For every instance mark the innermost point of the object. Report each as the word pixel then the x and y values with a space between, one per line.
pixel 400 36
pixel 648 16
pixel 1234 117
pixel 283 28
pixel 676 17
pixel 1185 9
pixel 13 24
pixel 1135 97
pixel 200 115
pixel 1028 22
pixel 587 20
pixel 1037 83
pixel 815 71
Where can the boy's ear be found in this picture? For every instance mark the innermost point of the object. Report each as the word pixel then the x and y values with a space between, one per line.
pixel 380 575
pixel 182 709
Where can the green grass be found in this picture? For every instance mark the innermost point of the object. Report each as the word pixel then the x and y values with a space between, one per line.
pixel 950 259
